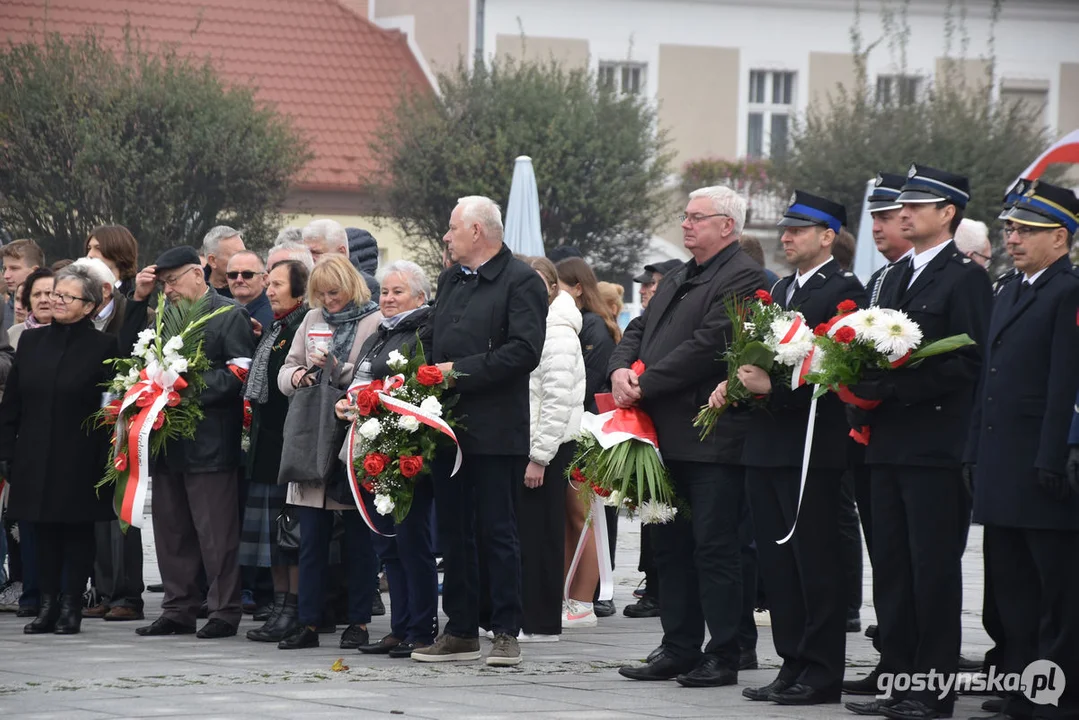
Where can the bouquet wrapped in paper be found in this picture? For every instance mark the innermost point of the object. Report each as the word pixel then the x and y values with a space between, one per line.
pixel 856 342
pixel 765 335
pixel 618 460
pixel 155 399
pixel 397 426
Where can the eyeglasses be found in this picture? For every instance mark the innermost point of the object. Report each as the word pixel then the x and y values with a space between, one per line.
pixel 1022 230
pixel 694 219
pixel 246 274
pixel 176 278
pixel 987 258
pixel 66 299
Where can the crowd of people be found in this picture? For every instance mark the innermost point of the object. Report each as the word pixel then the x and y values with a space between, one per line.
pixel 528 343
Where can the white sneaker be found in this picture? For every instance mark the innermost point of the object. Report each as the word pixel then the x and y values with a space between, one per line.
pixel 579 614
pixel 9 596
pixel 523 637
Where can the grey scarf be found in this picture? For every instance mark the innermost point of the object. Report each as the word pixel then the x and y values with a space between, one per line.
pixel 257 387
pixel 344 324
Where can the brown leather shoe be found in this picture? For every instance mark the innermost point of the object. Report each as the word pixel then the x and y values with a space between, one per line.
pixel 97 611
pixel 124 613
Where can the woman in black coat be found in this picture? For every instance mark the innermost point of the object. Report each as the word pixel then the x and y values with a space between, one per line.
pixel 409 556
pixel 55 455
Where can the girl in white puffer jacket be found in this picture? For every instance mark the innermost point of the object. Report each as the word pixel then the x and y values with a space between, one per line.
pixel 556 401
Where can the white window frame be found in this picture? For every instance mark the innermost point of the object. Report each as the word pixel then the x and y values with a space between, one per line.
pixel 619 70
pixel 766 106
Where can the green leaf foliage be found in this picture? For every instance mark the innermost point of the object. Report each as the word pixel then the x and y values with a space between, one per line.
pixel 600 161
pixel 92 134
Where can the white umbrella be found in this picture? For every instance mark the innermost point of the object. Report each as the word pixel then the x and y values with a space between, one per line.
pixel 523 234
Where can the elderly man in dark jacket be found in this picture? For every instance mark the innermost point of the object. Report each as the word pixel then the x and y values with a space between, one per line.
pixel 195 503
pixel 489 324
pixel 680 340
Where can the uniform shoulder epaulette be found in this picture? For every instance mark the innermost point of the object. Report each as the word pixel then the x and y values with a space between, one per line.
pixel 847 274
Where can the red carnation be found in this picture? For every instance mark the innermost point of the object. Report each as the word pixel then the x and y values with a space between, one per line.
pixel 845 334
pixel 366 402
pixel 601 491
pixel 577 476
pixel 174 398
pixel 410 465
pixel 821 330
pixel 429 375
pixel 120 462
pixel 375 463
pixel 159 421
pixel 764 296
pixel 847 306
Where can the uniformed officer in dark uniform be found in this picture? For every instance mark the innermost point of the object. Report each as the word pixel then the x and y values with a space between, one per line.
pixel 884 210
pixel 1018 447
pixel 921 511
pixel 1073 453
pixel 1013 194
pixel 803 578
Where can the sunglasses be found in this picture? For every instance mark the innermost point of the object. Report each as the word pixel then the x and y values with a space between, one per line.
pixel 247 274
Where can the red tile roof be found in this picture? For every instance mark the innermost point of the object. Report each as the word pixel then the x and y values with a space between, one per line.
pixel 335 73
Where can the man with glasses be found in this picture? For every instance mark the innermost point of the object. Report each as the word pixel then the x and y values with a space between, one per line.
pixel 195 503
pixel 218 247
pixel 247 282
pixel 972 239
pixel 1017 452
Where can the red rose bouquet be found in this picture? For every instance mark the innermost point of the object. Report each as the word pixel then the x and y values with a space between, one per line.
pixel 398 423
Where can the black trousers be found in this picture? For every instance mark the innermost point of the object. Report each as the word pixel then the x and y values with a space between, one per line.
pixel 477 522
pixel 1035 578
pixel 646 563
pixel 991 619
pixel 863 496
pixel 699 562
pixel 803 578
pixel 747 628
pixel 919 534
pixel 541 523
pixel 118 565
pixel 850 538
pixel 65 556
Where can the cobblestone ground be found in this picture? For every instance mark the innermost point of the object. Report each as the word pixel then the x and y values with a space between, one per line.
pixel 109 672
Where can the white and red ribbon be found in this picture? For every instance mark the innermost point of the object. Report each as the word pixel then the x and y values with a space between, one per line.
pixel 398 407
pixel 595 530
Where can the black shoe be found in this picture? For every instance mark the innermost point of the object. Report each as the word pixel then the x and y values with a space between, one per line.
pixel 265 612
pixel 164 626
pixel 873 707
pixel 994 705
pixel 747 660
pixel 710 672
pixel 47 615
pixel 353 637
pixel 280 625
pixel 854 625
pixel 654 654
pixel 377 606
pixel 868 685
pixel 404 650
pixel 301 639
pixel 603 608
pixel 802 694
pixel 644 608
pixel 26 611
pixel 765 693
pixel 871 632
pixel 203 611
pixel 970 665
pixel 214 629
pixel 155 588
pixel 70 620
pixel 382 647
pixel 662 667
pixel 913 710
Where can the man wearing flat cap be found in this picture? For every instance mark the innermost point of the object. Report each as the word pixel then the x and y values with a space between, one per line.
pixel 1017 452
pixel 921 509
pixel 195 511
pixel 803 578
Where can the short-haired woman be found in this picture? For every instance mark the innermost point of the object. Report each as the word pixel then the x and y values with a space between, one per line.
pixel 35 297
pixel 286 289
pixel 55 457
pixel 340 301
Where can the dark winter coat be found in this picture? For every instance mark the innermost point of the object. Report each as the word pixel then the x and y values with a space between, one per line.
pixel 55 457
pixel 596 346
pixel 363 254
pixel 377 347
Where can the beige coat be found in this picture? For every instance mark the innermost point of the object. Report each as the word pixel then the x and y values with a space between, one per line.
pixel 298 358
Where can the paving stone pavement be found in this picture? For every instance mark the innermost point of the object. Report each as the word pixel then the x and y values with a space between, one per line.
pixel 109 672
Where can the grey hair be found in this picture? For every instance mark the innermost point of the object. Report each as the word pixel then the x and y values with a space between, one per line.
pixel 213 238
pixel 91 285
pixel 331 231
pixel 296 251
pixel 485 211
pixel 412 273
pixel 725 201
pixel 973 236
pixel 97 269
pixel 253 254
pixel 288 235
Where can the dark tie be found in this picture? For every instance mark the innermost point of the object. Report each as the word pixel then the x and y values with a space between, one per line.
pixel 906 272
pixel 1024 288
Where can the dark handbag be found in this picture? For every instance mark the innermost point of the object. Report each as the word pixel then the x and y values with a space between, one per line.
pixel 314 433
pixel 288 529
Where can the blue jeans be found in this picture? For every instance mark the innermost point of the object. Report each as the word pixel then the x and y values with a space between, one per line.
pixel 316 529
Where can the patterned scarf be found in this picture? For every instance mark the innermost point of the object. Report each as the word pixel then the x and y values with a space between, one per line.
pixel 257 387
pixel 344 324
pixel 31 322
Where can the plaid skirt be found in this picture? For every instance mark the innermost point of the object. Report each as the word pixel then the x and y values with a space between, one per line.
pixel 258 537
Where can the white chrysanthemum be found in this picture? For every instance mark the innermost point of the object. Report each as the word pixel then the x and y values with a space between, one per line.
pixel 655 513
pixel 896 334
pixel 862 322
pixel 431 406
pixel 408 423
pixel 174 345
pixel 384 504
pixel 614 499
pixel 370 429
pixel 396 360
